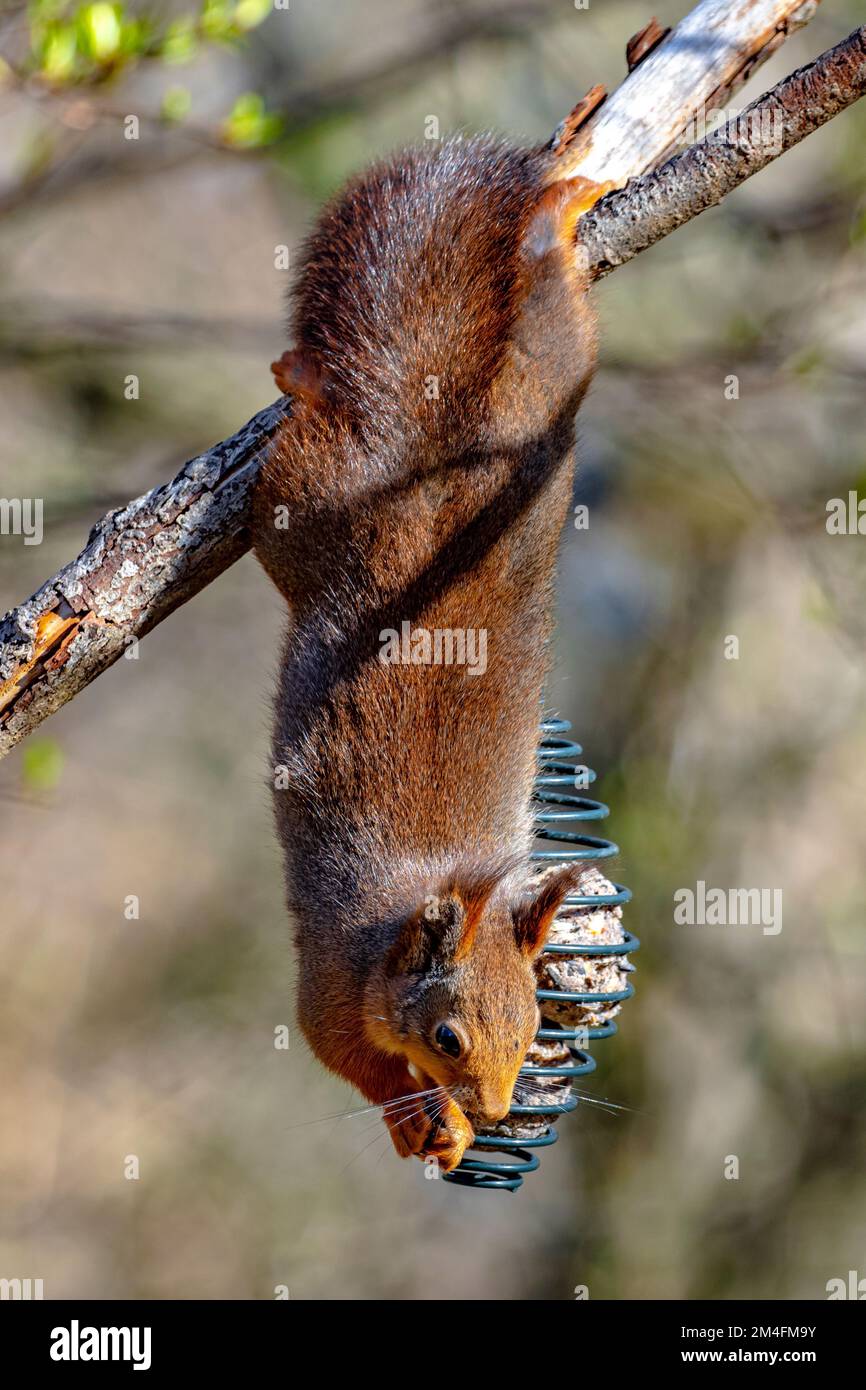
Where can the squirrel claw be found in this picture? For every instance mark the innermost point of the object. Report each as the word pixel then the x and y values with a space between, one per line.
pixel 444 1134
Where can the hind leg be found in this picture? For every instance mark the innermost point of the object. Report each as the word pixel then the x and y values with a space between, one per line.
pixel 552 350
pixel 554 221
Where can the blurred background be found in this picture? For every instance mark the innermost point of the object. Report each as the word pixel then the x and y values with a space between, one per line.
pixel 152 1035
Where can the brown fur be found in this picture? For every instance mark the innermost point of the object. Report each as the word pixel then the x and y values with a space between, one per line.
pixel 405 821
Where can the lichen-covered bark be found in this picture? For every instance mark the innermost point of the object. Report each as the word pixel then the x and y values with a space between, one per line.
pixel 140 562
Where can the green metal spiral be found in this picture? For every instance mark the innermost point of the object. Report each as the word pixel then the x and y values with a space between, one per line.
pixel 556 807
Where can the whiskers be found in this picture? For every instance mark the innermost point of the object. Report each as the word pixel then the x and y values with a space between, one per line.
pixel 399 1111
pixel 389 1107
pixel 530 1092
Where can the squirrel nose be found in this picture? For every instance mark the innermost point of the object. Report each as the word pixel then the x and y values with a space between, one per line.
pixel 492 1109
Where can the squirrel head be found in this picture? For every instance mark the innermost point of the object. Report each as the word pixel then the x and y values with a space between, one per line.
pixel 455 995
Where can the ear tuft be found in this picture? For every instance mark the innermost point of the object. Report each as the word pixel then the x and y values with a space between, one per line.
pixel 443 930
pixel 473 894
pixel 534 916
pixel 418 941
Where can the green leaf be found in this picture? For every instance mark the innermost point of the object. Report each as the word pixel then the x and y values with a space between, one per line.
pixel 249 125
pixel 42 763
pixel 56 51
pixel 100 30
pixel 41 11
pixel 176 104
pixel 216 19
pixel 136 37
pixel 248 14
pixel 181 41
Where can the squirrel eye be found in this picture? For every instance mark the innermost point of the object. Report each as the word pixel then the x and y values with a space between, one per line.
pixel 447 1040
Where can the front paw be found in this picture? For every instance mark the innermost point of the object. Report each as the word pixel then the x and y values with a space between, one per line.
pixel 433 1128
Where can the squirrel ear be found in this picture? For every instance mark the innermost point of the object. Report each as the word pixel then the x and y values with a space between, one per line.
pixel 297 374
pixel 533 917
pixel 444 928
pixel 435 930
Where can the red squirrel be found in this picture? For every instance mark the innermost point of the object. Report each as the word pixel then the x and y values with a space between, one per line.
pixel 443 343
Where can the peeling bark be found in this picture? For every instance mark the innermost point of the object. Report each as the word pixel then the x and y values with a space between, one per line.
pixel 641 44
pixel 713 50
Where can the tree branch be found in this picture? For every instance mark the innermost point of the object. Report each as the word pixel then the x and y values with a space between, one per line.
pixel 647 209
pixel 143 560
pixel 140 562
